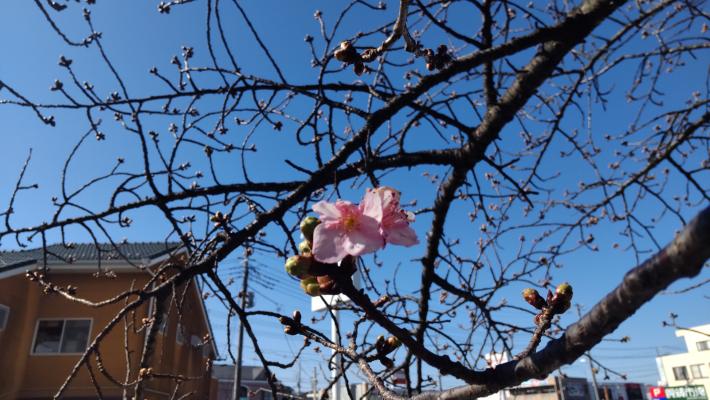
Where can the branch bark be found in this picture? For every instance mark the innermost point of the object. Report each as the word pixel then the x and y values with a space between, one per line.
pixel 684 257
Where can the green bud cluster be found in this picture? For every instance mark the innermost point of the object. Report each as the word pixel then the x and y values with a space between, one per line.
pixel 298 266
pixel 315 276
pixel 555 303
pixel 534 298
pixel 310 286
pixel 301 265
pixel 304 267
pixel 308 225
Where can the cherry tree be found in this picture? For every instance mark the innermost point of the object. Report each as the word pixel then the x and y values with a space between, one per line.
pixel 455 139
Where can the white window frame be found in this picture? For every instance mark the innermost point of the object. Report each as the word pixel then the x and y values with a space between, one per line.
pixel 703 343
pixel 683 368
pixel 699 368
pixel 61 339
pixel 3 324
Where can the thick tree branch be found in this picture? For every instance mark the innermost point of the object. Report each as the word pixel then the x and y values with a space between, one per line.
pixel 684 257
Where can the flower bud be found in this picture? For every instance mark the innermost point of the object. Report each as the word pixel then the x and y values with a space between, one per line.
pixel 393 342
pixel 533 298
pixel 342 50
pixel 359 68
pixel 304 247
pixel 313 289
pixel 381 301
pixel 564 290
pixel 218 217
pixel 305 281
pixel 346 53
pixel 298 266
pixel 386 362
pixel 310 286
pixel 380 343
pixel 297 316
pixel 308 225
pixel 289 330
pixel 327 285
pixel 562 305
pixel 562 300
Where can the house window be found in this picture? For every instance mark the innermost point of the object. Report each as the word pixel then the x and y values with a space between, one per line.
pixel 697 371
pixel 4 314
pixel 163 327
pixel 179 334
pixel 704 345
pixel 195 341
pixel 56 336
pixel 680 373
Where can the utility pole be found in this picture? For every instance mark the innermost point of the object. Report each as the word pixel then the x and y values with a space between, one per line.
pixel 298 384
pixel 337 357
pixel 325 303
pixel 591 363
pixel 314 382
pixel 243 302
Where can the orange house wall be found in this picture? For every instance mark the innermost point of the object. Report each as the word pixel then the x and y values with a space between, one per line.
pixel 30 376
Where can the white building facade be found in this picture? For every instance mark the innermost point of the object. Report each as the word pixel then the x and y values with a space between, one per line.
pixel 691 368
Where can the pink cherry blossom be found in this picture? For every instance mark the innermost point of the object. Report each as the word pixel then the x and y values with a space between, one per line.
pixel 382 204
pixel 344 230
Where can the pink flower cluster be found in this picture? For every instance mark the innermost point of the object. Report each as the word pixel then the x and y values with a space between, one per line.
pixel 350 229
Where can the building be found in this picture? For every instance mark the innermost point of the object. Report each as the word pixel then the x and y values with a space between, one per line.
pixel 553 388
pixel 567 388
pixel 622 391
pixel 254 383
pixel 43 335
pixel 688 369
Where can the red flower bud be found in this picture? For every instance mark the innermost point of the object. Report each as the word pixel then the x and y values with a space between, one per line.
pixel 327 285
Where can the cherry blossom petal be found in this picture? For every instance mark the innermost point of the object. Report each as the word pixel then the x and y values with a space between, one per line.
pixel 327 210
pixel 346 208
pixel 370 227
pixel 328 243
pixel 401 234
pixel 371 205
pixel 389 198
pixel 365 239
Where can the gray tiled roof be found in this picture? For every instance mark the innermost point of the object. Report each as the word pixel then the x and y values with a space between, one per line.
pixel 249 373
pixel 58 253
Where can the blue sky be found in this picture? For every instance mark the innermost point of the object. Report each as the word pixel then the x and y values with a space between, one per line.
pixel 136 38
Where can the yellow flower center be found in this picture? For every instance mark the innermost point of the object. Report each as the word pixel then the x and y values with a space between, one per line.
pixel 350 223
